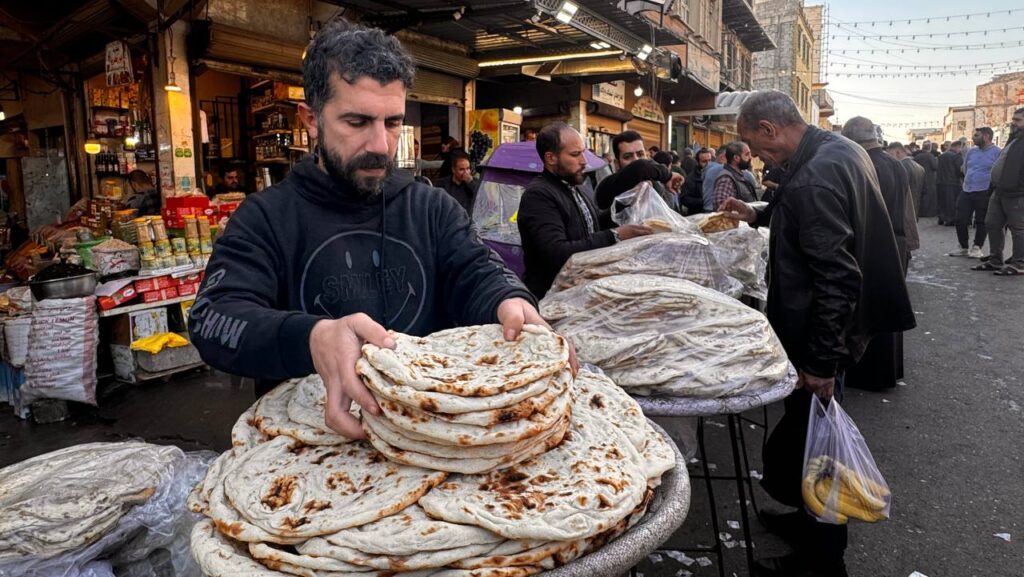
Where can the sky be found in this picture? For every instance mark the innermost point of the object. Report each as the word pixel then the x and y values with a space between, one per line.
pixel 908 96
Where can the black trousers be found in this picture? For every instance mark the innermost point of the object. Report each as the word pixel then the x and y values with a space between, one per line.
pixel 966 204
pixel 783 474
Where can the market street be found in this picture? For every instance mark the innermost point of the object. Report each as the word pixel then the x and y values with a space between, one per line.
pixel 947 441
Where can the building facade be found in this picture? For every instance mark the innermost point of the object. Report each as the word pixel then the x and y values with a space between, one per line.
pixel 791 67
pixel 995 102
pixel 958 123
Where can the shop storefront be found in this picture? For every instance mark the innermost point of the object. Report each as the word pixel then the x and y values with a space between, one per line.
pixel 649 121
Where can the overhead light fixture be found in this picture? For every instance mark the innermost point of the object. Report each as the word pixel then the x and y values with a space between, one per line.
pixel 554 58
pixel 3 115
pixel 130 142
pixel 517 109
pixel 566 12
pixel 638 91
pixel 673 101
pixel 171 85
pixel 645 51
pixel 92 146
pixel 600 45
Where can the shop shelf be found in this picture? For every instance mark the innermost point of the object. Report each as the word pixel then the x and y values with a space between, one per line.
pixel 273 105
pixel 274 161
pixel 273 133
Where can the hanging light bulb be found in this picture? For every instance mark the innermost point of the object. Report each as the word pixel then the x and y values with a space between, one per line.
pixel 673 101
pixel 3 115
pixel 92 145
pixel 638 91
pixel 171 85
pixel 517 109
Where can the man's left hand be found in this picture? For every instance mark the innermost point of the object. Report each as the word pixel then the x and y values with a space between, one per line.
pixel 514 313
pixel 823 387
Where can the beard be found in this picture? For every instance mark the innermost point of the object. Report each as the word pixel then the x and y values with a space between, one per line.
pixel 568 175
pixel 344 173
pixel 744 165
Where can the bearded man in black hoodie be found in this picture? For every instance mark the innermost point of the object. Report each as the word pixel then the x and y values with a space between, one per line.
pixel 345 247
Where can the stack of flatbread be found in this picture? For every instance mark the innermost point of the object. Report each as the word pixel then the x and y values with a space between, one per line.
pixel 743 252
pixel 466 400
pixel 61 501
pixel 656 335
pixel 675 255
pixel 278 507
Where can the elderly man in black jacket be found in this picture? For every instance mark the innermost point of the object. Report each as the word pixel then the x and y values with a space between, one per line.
pixel 556 220
pixel 835 281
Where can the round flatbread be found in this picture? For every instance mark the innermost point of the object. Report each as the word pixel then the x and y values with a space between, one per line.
pixel 403 440
pixel 524 571
pixel 590 482
pixel 540 445
pixel 595 391
pixel 263 553
pixel 219 556
pixel 295 490
pixel 307 403
pixel 473 361
pixel 444 402
pixel 272 419
pixel 244 433
pixel 409 532
pixel 319 547
pixel 65 499
pixel 659 457
pixel 488 418
pixel 428 428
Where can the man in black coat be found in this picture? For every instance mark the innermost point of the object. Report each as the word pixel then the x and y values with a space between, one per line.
pixel 882 363
pixel 633 168
pixel 835 281
pixel 915 174
pixel 692 196
pixel 929 198
pixel 950 180
pixel 556 220
pixel 460 185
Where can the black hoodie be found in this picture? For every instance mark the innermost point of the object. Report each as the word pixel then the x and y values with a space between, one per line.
pixel 301 251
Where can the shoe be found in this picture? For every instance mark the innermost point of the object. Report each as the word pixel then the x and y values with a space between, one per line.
pixel 791 527
pixel 975 252
pixel 797 565
pixel 958 252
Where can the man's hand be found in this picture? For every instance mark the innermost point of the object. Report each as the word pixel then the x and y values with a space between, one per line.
pixel 824 388
pixel 514 313
pixel 736 209
pixel 675 183
pixel 336 346
pixel 628 231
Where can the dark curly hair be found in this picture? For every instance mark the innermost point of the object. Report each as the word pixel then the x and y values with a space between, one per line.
pixel 352 51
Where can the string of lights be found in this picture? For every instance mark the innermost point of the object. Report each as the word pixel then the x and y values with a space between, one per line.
pixel 930 67
pixel 929 19
pixel 914 49
pixel 916 35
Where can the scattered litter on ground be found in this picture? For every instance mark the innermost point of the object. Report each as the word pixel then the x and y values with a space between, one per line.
pixel 679 557
pixel 729 544
pixel 986 357
pixel 927 332
pixel 725 536
pixel 1003 536
pixel 655 558
pixel 886 401
pixel 683 573
pixel 917 574
pixel 703 561
pixel 754 474
pixel 1014 406
pixel 901 383
pixel 736 524
pixel 712 467
pixel 714 423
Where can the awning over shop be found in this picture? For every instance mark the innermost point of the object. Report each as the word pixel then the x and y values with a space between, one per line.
pixel 738 16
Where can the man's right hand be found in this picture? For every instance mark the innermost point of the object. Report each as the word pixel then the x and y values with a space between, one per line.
pixel 736 209
pixel 335 346
pixel 628 231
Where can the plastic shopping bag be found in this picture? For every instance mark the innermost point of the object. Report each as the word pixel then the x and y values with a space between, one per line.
pixel 840 479
pixel 643 205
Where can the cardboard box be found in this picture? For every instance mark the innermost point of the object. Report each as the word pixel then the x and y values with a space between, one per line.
pixel 144 285
pixel 121 296
pixel 176 207
pixel 147 323
pixel 166 282
pixel 188 289
pixel 156 296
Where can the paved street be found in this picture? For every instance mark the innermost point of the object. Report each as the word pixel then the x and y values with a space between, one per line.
pixel 948 441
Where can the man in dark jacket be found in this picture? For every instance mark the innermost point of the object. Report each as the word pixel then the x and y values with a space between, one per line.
pixel 556 220
pixel 1006 209
pixel 950 180
pixel 835 281
pixel 929 198
pixel 692 196
pixel 915 174
pixel 882 363
pixel 345 248
pixel 460 185
pixel 633 168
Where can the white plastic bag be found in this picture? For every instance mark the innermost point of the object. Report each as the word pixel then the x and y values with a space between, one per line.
pixel 676 255
pixel 643 205
pixel 62 345
pixel 656 335
pixel 743 252
pixel 840 478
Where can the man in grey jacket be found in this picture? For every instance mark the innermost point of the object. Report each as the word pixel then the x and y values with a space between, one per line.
pixel 1006 209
